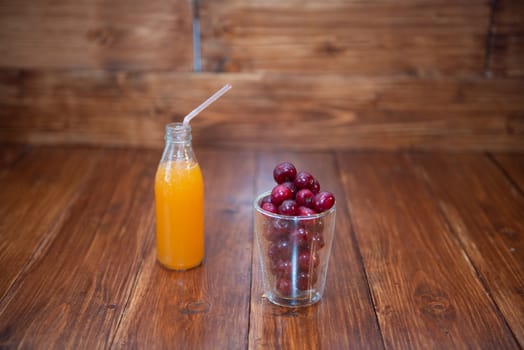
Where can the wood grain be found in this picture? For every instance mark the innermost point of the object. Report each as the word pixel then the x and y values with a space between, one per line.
pixel 10 154
pixel 87 279
pixel 513 166
pixel 206 307
pixel 35 191
pixel 507 43
pixel 113 35
pixel 374 38
pixel 263 110
pixel 415 265
pixel 344 318
pixel 493 238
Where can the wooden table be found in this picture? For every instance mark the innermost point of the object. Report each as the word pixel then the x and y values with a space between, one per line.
pixel 429 253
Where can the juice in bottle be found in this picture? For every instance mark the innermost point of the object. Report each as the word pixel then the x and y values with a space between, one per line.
pixel 179 198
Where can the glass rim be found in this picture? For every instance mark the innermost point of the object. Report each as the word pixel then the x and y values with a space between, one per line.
pixel 288 217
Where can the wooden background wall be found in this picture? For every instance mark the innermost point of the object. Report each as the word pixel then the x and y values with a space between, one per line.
pixel 381 74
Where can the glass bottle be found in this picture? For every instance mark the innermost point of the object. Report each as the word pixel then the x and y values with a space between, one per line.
pixel 179 200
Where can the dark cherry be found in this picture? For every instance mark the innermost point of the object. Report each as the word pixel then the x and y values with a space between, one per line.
pixel 284 268
pixel 279 250
pixel 316 187
pixel 299 237
pixel 266 199
pixel 270 207
pixel 292 187
pixel 305 211
pixel 323 201
pixel 305 197
pixel 284 287
pixel 280 193
pixel 284 172
pixel 288 207
pixel 307 261
pixel 317 241
pixel 304 180
pixel 282 226
pixel 306 280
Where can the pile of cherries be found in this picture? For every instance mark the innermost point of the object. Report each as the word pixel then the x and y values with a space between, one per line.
pixel 294 243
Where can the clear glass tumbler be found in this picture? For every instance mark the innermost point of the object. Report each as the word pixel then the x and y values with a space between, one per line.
pixel 294 254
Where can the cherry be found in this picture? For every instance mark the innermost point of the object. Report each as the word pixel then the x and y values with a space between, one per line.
pixel 316 187
pixel 291 186
pixel 306 280
pixel 317 241
pixel 284 172
pixel 305 211
pixel 307 261
pixel 284 268
pixel 270 207
pixel 284 286
pixel 300 237
pixel 279 250
pixel 266 199
pixel 280 193
pixel 305 197
pixel 323 201
pixel 304 180
pixel 288 207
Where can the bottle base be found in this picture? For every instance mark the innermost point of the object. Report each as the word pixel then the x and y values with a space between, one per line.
pixel 179 267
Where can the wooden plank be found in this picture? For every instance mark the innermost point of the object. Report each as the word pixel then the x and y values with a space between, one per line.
pixel 513 166
pixel 374 38
pixel 344 318
pixel 90 267
pixel 35 195
pixel 486 213
pixel 263 110
pixel 426 292
pixel 507 43
pixel 206 307
pixel 102 34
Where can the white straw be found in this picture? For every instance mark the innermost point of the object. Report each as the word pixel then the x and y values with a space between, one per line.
pixel 206 103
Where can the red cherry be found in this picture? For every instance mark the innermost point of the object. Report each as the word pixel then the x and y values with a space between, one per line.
pixel 288 207
pixel 323 201
pixel 300 237
pixel 266 199
pixel 316 187
pixel 284 268
pixel 280 193
pixel 292 187
pixel 284 172
pixel 284 286
pixel 270 207
pixel 306 280
pixel 305 211
pixel 304 180
pixel 305 197
pixel 307 261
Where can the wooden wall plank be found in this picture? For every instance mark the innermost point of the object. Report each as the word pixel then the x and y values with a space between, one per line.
pixel 263 110
pixel 507 44
pixel 34 193
pixel 321 326
pixel 104 34
pixel 492 237
pixel 380 37
pixel 430 278
pixel 206 307
pixel 86 282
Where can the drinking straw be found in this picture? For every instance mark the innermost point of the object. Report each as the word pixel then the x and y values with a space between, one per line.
pixel 206 103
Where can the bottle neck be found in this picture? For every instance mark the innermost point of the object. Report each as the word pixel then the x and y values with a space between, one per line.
pixel 178 143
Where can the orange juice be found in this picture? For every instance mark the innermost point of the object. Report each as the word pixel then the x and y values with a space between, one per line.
pixel 179 197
